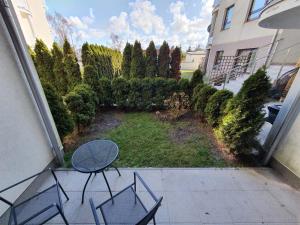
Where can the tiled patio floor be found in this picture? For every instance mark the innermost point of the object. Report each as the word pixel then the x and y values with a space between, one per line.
pixel 194 196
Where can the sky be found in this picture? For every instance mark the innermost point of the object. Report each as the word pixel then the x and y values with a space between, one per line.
pixel 179 22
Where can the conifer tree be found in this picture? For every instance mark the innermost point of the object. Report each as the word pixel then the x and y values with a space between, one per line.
pixel 126 63
pixel 61 80
pixel 164 60
pixel 71 65
pixel 175 63
pixel 151 60
pixel 62 118
pixel 44 61
pixel 137 69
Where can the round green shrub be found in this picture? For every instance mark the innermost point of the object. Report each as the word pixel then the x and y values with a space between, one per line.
pixel 201 98
pixel 197 78
pixel 81 102
pixel 216 105
pixel 184 85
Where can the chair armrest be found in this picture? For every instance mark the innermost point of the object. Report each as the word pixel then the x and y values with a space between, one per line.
pixel 94 212
pixel 145 185
pixel 6 201
pixel 22 181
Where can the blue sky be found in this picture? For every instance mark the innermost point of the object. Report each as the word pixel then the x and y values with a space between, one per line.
pixel 180 22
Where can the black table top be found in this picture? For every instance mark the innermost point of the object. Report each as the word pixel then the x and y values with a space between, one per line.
pixel 94 156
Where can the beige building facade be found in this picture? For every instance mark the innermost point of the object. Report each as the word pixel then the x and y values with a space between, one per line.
pixel 31 15
pixel 193 60
pixel 233 30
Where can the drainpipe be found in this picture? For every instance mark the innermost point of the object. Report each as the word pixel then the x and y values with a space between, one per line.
pixel 20 46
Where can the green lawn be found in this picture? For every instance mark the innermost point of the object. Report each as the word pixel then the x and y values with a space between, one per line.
pixel 187 74
pixel 144 141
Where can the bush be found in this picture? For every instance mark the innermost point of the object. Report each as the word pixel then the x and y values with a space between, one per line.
pixel 81 101
pixel 244 118
pixel 197 78
pixel 135 99
pixel 163 89
pixel 184 85
pixel 62 118
pixel 121 88
pixel 178 105
pixel 201 98
pixel 215 107
pixel 105 92
pixel 91 77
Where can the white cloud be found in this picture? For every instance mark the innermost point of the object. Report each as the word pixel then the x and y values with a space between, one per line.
pixel 119 24
pixel 192 31
pixel 144 17
pixel 83 27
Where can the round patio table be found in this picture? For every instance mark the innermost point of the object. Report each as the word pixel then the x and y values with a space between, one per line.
pixel 94 157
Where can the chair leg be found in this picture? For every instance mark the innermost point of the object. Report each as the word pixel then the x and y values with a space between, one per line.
pixel 65 194
pixel 154 222
pixel 82 197
pixel 62 215
pixel 116 170
pixel 108 186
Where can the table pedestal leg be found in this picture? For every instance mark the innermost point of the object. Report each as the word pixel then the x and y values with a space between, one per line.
pixel 108 186
pixel 82 198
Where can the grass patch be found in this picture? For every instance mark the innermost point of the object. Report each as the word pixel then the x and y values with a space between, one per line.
pixel 145 141
pixel 187 74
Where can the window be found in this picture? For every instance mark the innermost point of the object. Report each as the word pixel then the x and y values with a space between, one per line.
pixel 256 7
pixel 245 59
pixel 218 58
pixel 228 17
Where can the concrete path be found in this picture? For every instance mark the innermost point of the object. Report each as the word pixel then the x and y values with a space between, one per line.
pixel 194 196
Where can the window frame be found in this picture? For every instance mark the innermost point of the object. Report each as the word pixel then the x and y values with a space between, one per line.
pixel 225 22
pixel 217 56
pixel 251 11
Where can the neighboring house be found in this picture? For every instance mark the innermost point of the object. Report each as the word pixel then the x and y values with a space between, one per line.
pixel 237 41
pixel 193 60
pixel 32 18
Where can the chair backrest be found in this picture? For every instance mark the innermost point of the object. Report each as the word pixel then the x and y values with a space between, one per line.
pixel 150 215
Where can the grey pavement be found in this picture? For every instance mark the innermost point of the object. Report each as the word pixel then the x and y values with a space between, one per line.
pixel 247 196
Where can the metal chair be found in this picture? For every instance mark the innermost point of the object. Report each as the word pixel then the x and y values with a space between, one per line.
pixel 126 207
pixel 39 208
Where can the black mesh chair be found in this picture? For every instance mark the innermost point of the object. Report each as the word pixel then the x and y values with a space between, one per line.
pixel 126 207
pixel 39 208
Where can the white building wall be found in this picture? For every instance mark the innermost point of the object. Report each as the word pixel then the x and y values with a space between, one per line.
pixel 24 148
pixel 32 18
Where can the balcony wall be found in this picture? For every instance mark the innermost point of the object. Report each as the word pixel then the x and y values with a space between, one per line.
pixel 25 148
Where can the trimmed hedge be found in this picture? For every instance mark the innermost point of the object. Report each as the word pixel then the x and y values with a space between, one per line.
pixel 215 107
pixel 121 88
pixel 105 92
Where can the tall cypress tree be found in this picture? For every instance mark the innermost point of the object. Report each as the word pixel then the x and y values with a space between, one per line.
pixel 164 60
pixel 71 65
pixel 44 61
pixel 175 63
pixel 61 80
pixel 137 69
pixel 126 63
pixel 151 60
pixel 62 118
